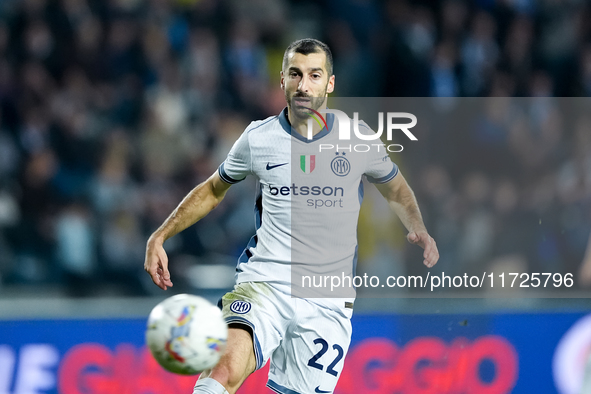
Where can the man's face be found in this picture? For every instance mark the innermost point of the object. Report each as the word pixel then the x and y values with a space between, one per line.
pixel 306 83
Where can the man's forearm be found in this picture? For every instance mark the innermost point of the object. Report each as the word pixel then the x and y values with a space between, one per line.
pixel 195 206
pixel 403 202
pixel 407 209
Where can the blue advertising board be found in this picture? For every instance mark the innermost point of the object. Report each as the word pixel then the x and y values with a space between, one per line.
pixel 427 353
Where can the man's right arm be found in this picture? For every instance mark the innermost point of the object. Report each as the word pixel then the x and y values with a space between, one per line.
pixel 195 206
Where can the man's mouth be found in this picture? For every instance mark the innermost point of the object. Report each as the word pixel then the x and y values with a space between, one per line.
pixel 301 101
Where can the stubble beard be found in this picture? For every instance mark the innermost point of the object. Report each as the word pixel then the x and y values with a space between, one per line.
pixel 300 113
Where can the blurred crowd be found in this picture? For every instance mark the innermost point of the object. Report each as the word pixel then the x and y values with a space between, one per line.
pixel 111 111
pixel 504 185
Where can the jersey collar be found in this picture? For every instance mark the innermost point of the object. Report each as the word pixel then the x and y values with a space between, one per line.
pixel 287 127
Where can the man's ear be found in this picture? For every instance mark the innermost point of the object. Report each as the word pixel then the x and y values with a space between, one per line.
pixel 282 81
pixel 330 87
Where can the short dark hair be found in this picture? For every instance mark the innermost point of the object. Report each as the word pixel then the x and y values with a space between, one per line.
pixel 307 46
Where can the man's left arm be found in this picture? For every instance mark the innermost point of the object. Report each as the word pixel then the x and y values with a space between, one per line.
pixel 402 200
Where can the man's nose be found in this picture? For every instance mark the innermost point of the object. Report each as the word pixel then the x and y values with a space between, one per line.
pixel 304 85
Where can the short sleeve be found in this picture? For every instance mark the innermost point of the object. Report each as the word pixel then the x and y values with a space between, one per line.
pixel 380 168
pixel 237 165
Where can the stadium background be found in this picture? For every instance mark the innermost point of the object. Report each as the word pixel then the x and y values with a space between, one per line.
pixel 111 111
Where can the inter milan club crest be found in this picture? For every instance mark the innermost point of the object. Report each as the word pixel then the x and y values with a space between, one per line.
pixel 307 163
pixel 340 165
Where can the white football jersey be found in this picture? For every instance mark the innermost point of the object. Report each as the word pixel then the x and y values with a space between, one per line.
pixel 307 205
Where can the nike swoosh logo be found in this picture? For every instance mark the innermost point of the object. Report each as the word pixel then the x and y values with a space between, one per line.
pixel 270 167
pixel 317 390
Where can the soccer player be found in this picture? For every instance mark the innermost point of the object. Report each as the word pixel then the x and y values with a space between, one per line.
pixel 306 217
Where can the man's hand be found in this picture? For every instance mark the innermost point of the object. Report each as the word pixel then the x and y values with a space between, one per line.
pixel 156 264
pixel 424 240
pixel 402 200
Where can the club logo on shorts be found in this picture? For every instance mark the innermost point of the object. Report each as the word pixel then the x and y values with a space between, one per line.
pixel 340 165
pixel 240 307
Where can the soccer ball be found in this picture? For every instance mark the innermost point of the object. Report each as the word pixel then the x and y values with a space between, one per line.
pixel 186 334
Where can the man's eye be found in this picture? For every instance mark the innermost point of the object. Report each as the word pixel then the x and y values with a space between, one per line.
pixel 293 74
pixel 315 76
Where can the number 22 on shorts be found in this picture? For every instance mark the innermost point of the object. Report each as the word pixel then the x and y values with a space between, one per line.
pixel 313 362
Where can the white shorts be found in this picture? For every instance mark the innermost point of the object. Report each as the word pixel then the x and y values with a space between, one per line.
pixel 306 343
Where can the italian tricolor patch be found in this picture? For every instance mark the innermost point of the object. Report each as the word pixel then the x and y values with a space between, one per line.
pixel 307 163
